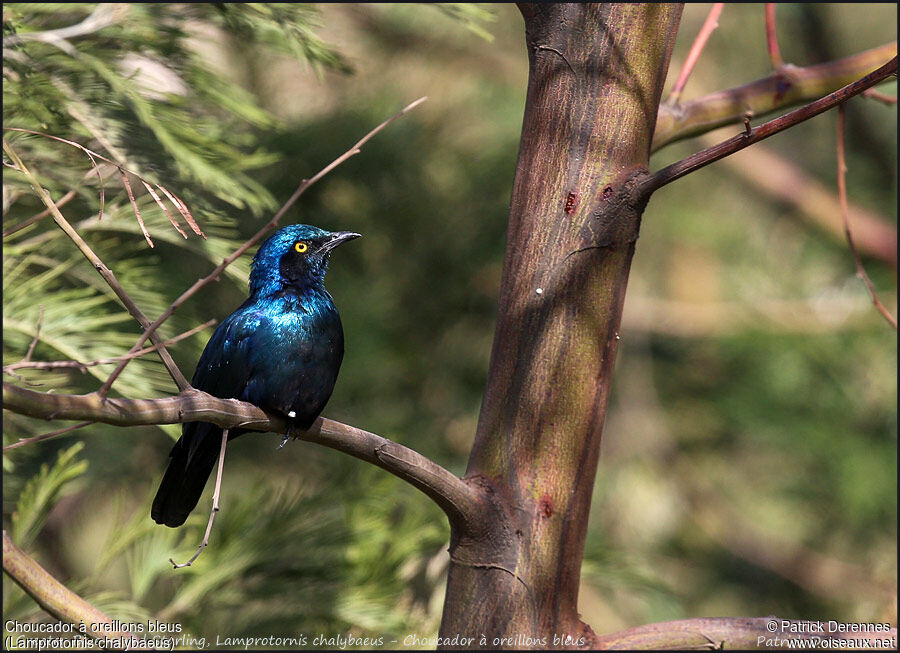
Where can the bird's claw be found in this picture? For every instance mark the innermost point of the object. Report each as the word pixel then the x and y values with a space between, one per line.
pixel 290 434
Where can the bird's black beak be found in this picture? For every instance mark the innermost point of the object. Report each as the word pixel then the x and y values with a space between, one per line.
pixel 337 238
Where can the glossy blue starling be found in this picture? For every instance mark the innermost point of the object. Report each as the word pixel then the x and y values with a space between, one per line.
pixel 281 350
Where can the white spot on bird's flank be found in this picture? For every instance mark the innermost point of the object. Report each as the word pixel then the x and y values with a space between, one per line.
pixel 539 291
pixel 292 414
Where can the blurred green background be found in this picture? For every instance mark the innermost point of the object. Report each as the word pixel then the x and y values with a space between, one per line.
pixel 749 462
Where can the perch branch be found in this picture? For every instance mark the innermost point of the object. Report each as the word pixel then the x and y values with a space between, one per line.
pixel 788 86
pixel 98 264
pixel 150 329
pixel 735 633
pixel 57 599
pixel 845 215
pixel 703 158
pixel 459 500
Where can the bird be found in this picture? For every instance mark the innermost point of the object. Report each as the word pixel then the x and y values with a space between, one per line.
pixel 280 350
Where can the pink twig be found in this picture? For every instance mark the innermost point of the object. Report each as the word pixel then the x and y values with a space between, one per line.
pixel 881 97
pixel 772 37
pixel 712 22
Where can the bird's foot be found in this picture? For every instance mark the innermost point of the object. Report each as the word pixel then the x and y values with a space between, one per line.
pixel 290 434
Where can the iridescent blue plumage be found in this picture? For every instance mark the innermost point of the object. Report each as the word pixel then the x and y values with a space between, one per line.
pixel 281 350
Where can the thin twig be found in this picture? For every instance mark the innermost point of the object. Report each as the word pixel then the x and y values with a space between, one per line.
pixel 200 283
pixel 703 158
pixel 772 38
pixel 215 506
pixel 183 209
pixel 65 199
pixel 99 265
pixel 881 97
pixel 45 436
pixel 711 23
pixel 845 215
pixel 37 335
pixel 53 365
pixel 778 177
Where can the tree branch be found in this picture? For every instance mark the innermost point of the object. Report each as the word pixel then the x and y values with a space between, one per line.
pixel 787 86
pixel 461 501
pixel 65 199
pixel 737 633
pixel 59 600
pixel 703 158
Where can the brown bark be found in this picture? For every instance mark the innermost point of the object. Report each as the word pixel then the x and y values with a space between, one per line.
pixel 595 79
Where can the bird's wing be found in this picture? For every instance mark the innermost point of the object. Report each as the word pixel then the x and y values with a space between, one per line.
pixel 226 365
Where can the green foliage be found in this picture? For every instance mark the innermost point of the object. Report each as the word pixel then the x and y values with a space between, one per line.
pixel 42 492
pixel 33 503
pixel 472 15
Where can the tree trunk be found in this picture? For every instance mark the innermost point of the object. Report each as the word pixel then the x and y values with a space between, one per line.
pixel 596 73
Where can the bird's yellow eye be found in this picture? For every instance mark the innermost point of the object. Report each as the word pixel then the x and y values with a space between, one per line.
pixel 301 247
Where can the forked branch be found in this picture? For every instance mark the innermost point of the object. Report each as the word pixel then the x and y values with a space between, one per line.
pixel 753 135
pixel 785 87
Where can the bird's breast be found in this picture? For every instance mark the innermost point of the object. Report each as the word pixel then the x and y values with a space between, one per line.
pixel 298 353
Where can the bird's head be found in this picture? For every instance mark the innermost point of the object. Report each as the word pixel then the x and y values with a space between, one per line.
pixel 294 257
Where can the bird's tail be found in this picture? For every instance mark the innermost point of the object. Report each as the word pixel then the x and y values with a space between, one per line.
pixel 191 462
